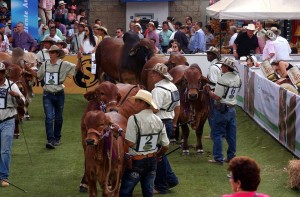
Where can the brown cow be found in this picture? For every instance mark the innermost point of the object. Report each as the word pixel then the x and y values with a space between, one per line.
pixel 123 61
pixel 174 60
pixel 193 102
pixel 126 106
pixel 105 94
pixel 104 154
pixel 15 74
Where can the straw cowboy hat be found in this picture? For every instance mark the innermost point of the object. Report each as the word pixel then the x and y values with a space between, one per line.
pixel 48 39
pixel 96 26
pixel 62 43
pixel 230 63
pixel 146 96
pixel 104 29
pixel 215 51
pixel 58 50
pixel 275 30
pixel 29 57
pixel 270 35
pixel 250 27
pixel 163 70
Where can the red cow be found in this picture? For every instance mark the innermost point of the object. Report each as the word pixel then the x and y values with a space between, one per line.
pixel 104 154
pixel 193 102
pixel 106 94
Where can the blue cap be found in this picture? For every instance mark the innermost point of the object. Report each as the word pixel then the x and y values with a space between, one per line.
pixel 2 25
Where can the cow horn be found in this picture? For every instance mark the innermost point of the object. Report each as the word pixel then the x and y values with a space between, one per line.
pixel 133 51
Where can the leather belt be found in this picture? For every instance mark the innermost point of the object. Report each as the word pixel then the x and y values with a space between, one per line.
pixel 55 93
pixel 6 119
pixel 140 157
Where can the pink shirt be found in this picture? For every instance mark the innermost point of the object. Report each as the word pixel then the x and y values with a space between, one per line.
pixel 46 4
pixel 245 194
pixel 269 48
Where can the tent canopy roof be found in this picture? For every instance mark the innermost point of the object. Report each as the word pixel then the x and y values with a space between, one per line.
pixel 255 9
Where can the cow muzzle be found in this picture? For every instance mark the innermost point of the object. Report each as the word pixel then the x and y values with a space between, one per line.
pixel 192 96
pixel 90 141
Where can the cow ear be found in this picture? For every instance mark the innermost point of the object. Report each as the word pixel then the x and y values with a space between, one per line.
pixel 133 51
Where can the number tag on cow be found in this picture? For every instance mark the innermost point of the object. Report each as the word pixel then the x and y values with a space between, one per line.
pixel 51 78
pixel 147 142
pixel 3 98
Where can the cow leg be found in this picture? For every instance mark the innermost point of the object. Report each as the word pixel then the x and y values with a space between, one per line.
pixel 199 132
pixel 185 134
pixel 83 187
pixel 16 131
pixel 92 186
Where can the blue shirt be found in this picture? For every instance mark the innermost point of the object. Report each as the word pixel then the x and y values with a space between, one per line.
pixel 199 41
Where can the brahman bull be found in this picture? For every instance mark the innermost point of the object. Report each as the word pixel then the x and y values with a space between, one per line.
pixel 104 154
pixel 105 94
pixel 193 102
pixel 123 61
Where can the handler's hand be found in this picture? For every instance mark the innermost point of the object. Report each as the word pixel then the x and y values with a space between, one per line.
pixel 79 55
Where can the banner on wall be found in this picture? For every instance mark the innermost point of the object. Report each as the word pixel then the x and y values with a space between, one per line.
pixel 275 109
pixel 25 11
pixel 81 82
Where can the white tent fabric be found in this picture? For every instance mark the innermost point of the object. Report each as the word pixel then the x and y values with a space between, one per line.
pixel 255 9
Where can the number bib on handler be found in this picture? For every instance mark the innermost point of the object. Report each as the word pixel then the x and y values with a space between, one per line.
pixel 231 93
pixel 51 78
pixel 3 98
pixel 147 142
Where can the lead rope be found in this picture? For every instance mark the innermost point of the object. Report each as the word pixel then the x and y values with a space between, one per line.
pixel 109 168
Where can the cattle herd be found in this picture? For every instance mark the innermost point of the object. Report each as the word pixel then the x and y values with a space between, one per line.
pixel 110 105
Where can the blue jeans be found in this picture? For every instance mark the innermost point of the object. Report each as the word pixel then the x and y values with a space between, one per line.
pixel 165 177
pixel 6 137
pixel 224 123
pixel 143 171
pixel 53 108
pixel 169 127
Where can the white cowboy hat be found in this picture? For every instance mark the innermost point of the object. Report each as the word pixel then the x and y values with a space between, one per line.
pixel 57 49
pixel 163 70
pixel 252 58
pixel 250 27
pixel 61 3
pixel 146 96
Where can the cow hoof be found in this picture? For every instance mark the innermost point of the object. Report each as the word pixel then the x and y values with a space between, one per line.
pixel 200 151
pixel 83 188
pixel 27 117
pixel 185 152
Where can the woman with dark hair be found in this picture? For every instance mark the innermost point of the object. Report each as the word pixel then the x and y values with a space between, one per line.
pixel 88 44
pixel 244 177
pixel 174 47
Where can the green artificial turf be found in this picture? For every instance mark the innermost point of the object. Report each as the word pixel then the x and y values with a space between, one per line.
pixel 57 173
